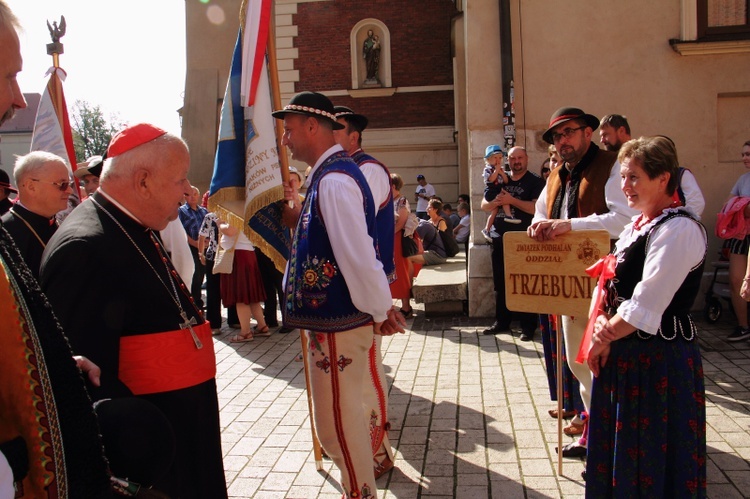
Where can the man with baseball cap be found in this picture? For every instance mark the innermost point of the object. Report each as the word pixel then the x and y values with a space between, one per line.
pixel 422 195
pixel 132 314
pixel 335 286
pixel 379 180
pixel 583 194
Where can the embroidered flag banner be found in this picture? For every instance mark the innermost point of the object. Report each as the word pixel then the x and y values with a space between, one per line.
pixel 52 131
pixel 246 182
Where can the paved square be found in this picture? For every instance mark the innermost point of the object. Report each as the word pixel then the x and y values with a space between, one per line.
pixel 468 414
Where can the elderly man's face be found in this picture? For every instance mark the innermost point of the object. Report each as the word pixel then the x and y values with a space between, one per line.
pixel 44 187
pixel 169 186
pixel 11 64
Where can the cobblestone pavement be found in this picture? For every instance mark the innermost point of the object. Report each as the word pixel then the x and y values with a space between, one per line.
pixel 468 414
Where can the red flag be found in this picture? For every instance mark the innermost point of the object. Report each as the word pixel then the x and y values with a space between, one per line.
pixel 255 41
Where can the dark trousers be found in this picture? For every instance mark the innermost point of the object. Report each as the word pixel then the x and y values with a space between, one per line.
pixel 232 315
pixel 502 314
pixel 272 279
pixel 198 276
pixel 213 296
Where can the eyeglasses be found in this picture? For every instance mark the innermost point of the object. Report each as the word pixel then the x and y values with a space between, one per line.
pixel 62 186
pixel 567 133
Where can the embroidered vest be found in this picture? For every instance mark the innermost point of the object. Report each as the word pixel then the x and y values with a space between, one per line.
pixel 384 220
pixel 317 297
pixel 629 272
pixel 591 197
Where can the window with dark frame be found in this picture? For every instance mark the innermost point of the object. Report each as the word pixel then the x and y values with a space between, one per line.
pixel 720 20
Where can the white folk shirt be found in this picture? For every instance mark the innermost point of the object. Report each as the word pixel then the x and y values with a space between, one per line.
pixel 663 273
pixel 378 180
pixel 613 221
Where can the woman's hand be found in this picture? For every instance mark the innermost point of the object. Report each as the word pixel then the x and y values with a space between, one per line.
pixel 598 355
pixel 604 332
pixel 745 289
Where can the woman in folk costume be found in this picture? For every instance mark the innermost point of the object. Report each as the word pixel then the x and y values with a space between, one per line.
pixel 647 431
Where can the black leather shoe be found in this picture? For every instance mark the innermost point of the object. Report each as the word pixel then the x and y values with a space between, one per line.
pixel 496 328
pixel 573 449
pixel 526 336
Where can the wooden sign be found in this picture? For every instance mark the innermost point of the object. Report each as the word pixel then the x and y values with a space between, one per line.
pixel 550 277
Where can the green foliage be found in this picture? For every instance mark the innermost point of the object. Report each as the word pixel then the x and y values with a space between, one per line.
pixel 91 131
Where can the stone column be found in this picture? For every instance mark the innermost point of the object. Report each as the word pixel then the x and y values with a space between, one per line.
pixel 483 108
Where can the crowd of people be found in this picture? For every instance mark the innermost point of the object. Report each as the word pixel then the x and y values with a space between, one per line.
pixel 637 403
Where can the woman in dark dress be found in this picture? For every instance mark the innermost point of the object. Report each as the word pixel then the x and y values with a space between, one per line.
pixel 647 431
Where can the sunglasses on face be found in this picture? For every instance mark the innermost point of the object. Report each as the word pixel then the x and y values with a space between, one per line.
pixel 62 186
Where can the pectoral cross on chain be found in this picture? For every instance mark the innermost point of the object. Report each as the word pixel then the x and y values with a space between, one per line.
pixel 188 324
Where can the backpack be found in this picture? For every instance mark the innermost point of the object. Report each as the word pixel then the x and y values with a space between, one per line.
pixel 449 242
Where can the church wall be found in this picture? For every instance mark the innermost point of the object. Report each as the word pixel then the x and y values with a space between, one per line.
pixel 617 59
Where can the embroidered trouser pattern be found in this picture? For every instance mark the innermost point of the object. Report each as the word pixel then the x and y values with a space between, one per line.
pixel 573 330
pixel 376 403
pixel 339 372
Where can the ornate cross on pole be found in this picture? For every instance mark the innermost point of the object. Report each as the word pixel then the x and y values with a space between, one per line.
pixel 188 324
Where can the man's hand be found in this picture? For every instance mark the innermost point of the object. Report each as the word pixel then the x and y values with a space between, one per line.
pixel 504 198
pixel 88 367
pixel 547 230
pixel 395 323
pixel 289 193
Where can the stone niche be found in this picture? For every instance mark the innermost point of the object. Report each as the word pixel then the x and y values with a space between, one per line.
pixel 370 55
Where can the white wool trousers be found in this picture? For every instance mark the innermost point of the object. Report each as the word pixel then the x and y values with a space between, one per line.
pixel 573 329
pixel 339 365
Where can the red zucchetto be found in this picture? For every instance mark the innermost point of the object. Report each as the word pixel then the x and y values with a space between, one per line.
pixel 132 137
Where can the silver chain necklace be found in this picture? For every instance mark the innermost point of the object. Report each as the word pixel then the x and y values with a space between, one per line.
pixel 187 323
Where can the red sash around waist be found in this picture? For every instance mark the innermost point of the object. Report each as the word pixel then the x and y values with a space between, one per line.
pixel 163 362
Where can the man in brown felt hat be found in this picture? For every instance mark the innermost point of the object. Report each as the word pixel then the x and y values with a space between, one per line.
pixel 132 314
pixel 583 194
pixel 335 286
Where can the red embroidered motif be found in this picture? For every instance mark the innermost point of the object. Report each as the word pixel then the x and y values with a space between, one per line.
pixel 343 362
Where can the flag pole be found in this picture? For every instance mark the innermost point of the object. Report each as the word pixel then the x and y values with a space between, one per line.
pixel 55 49
pixel 273 69
pixel 559 366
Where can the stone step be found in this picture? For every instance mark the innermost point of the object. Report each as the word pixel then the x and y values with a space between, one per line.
pixel 442 288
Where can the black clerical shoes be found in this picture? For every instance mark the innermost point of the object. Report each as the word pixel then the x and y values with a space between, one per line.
pixel 573 449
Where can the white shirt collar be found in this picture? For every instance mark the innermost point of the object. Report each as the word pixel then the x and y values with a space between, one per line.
pixel 331 150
